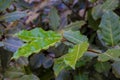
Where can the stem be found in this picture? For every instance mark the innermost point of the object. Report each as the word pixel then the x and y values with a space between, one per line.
pixel 91 50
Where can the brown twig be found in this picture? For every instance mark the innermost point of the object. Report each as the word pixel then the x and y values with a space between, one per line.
pixel 81 18
pixel 86 7
pixel 91 50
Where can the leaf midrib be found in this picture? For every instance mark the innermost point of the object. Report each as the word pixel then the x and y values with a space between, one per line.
pixel 111 35
pixel 78 50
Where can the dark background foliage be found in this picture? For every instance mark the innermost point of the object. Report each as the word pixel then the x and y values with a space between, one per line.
pixel 98 20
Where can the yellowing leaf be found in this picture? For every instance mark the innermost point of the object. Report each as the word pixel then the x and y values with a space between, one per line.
pixel 75 53
pixel 70 59
pixel 36 40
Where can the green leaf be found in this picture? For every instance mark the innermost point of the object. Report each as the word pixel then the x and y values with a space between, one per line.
pixel 102 67
pixel 116 69
pixel 74 54
pixel 59 65
pixel 74 37
pixel 92 23
pixel 111 54
pixel 81 76
pixel 108 5
pixel 54 19
pixel 110 28
pixel 36 40
pixel 75 25
pixel 92 0
pixel 97 12
pixel 29 77
pixel 10 17
pixel 4 4
pixel 14 72
pixel 71 58
pixel 18 73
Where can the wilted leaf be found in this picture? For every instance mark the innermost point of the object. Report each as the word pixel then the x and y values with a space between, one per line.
pixel 108 5
pixel 10 17
pixel 54 19
pixel 36 40
pixel 110 28
pixel 111 54
pixel 4 4
pixel 74 37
